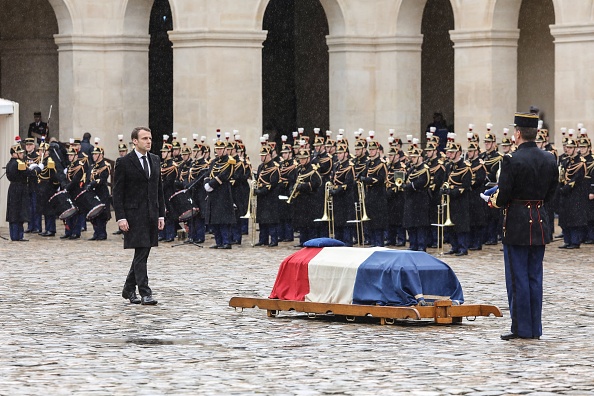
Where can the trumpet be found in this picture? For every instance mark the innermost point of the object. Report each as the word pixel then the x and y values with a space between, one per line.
pixel 443 209
pixel 251 212
pixel 398 178
pixel 360 213
pixel 328 209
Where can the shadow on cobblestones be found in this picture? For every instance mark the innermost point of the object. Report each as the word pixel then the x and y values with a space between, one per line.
pixel 65 329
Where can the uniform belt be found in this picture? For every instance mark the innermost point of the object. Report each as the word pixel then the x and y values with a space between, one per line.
pixel 526 202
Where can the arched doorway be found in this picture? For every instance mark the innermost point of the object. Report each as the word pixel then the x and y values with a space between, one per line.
pixel 160 72
pixel 29 60
pixel 295 67
pixel 437 64
pixel 536 59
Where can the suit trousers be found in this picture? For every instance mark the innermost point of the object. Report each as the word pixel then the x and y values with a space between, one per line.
pixel 137 276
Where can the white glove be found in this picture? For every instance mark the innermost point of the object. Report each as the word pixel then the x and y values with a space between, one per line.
pixel 33 166
pixel 208 188
pixel 485 197
pixel 65 171
pixel 40 165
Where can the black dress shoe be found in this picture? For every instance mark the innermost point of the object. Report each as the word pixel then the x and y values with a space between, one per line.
pixel 132 297
pixel 118 232
pixel 92 239
pixel 298 246
pixel 451 252
pixel 509 336
pixel 589 242
pixel 22 240
pixel 101 238
pixel 148 300
pixel 74 237
pixel 461 254
pixel 168 240
pixel 273 245
pixel 65 237
pixel 48 234
pixel 199 241
pixel 490 243
pixel 226 246
pixel 573 247
pixel 160 239
pixel 27 231
pixel 259 244
pixel 475 248
pixel 216 246
pixel 564 246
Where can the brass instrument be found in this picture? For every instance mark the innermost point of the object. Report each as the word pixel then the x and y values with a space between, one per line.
pixel 443 209
pixel 294 191
pixel 328 209
pixel 360 213
pixel 399 178
pixel 561 174
pixel 251 209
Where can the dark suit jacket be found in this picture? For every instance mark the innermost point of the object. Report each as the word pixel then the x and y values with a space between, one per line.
pixel 138 200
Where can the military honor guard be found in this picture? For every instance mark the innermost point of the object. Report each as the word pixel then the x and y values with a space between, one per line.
pixel 586 152
pixel 98 185
pixel 374 178
pixel 240 188
pixel 288 174
pixel 456 187
pixel 527 182
pixel 342 190
pixel 169 176
pixel 304 197
pixel 396 235
pixel 265 190
pixel 437 170
pixel 492 160
pixel 220 210
pixel 32 157
pixel 416 200
pixel 74 184
pixel 49 179
pixel 573 197
pixel 17 205
pixel 195 181
pixel 478 208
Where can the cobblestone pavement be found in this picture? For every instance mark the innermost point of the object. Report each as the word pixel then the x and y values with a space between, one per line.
pixel 66 330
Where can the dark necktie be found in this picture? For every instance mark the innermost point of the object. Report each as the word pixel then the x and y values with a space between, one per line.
pixel 145 166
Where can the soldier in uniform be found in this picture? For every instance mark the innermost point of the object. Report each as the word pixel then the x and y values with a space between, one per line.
pixel 492 161
pixel 586 152
pixel 49 180
pixel 98 184
pixel 267 214
pixel 438 173
pixel 37 128
pixel 83 160
pixel 74 184
pixel 17 205
pixel 478 208
pixel 196 176
pixel 122 151
pixel 304 197
pixel 459 181
pixel 175 150
pixel 240 190
pixel 343 191
pixel 573 197
pixel 374 178
pixel 169 175
pixel 220 211
pixel 288 174
pixel 528 179
pixel 416 201
pixel 31 157
pixel 395 197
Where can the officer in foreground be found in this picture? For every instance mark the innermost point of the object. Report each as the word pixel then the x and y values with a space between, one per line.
pixel 527 183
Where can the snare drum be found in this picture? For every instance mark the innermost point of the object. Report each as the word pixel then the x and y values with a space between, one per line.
pixel 88 202
pixel 182 206
pixel 63 205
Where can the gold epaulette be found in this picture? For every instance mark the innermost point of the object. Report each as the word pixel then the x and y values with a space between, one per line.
pixel 21 165
pixel 275 163
pixel 231 161
pixel 315 166
pixel 425 166
pixel 467 163
pixel 51 164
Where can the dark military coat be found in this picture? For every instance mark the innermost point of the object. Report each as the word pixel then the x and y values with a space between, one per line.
pixel 17 205
pixel 49 180
pixel 460 182
pixel 266 192
pixel 437 170
pixel 416 197
pixel 573 194
pixel 195 182
pixel 169 176
pixel 99 185
pixel 288 174
pixel 528 180
pixel 590 184
pixel 240 187
pixel 395 195
pixel 324 163
pixel 478 207
pixel 376 202
pixel 306 203
pixel 219 202
pixel 343 192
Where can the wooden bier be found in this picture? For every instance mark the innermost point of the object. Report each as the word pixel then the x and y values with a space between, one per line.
pixel 441 312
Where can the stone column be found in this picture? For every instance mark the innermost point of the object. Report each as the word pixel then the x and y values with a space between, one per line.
pixel 103 86
pixel 375 83
pixel 574 80
pixel 485 78
pixel 217 83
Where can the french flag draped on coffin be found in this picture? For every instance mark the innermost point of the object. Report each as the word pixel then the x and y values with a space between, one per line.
pixel 366 276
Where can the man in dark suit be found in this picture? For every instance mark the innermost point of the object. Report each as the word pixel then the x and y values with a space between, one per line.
pixel 526 186
pixel 139 209
pixel 38 128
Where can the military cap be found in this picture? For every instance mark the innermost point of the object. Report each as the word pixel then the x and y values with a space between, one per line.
pixel 473 146
pixel 584 142
pixel 37 114
pixel 98 150
pixel 489 137
pixel 265 150
pixel 571 143
pixel 44 146
pixel 539 137
pixel 286 148
pixel 373 145
pixel 431 146
pixel 17 148
pixel 166 148
pixel 219 144
pixel 71 151
pixel 414 151
pixel 30 141
pixel 506 141
pixel 75 141
pixel 453 146
pixel 525 120
pixel 341 148
pixel 302 154
pixel 186 150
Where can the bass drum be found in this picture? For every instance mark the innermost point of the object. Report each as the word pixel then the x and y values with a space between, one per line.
pixel 89 203
pixel 182 206
pixel 63 205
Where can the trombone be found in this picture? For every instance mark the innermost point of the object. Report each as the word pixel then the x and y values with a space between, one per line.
pixel 251 209
pixel 360 213
pixel 328 209
pixel 443 209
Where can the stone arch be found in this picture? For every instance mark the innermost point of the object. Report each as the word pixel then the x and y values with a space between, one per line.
pixel 504 14
pixel 64 15
pixel 409 16
pixel 332 8
pixel 136 16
